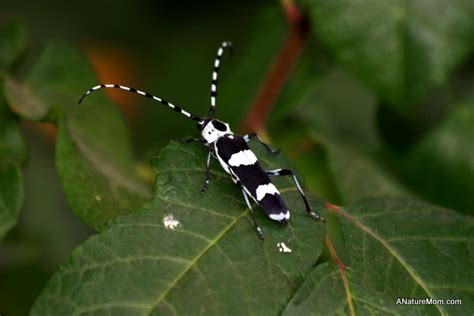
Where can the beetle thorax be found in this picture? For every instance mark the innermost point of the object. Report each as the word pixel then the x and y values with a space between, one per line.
pixel 215 129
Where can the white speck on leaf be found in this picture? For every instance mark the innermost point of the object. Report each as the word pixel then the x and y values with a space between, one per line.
pixel 282 247
pixel 170 222
pixel 98 198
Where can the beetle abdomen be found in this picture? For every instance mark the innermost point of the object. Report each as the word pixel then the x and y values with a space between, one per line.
pixel 236 156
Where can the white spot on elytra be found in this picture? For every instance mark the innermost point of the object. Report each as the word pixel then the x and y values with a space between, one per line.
pixel 170 222
pixel 280 216
pixel 264 189
pixel 243 158
pixel 282 247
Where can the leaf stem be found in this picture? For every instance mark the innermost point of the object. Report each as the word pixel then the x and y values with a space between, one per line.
pixel 350 303
pixel 280 70
pixel 333 253
pixel 342 268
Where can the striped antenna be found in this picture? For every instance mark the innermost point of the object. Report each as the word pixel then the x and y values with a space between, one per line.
pixel 146 94
pixel 215 72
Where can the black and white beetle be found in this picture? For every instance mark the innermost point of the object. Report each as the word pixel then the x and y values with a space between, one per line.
pixel 234 155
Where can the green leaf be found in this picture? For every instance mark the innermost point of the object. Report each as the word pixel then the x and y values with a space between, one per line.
pixel 399 249
pixel 12 146
pixel 11 196
pixel 211 263
pixel 441 166
pixel 21 100
pixel 13 44
pixel 57 79
pixel 399 48
pixel 322 293
pixel 338 115
pixel 359 175
pixel 96 166
pixel 12 155
pixel 93 154
pixel 341 109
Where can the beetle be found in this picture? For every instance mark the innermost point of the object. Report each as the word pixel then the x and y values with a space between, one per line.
pixel 234 155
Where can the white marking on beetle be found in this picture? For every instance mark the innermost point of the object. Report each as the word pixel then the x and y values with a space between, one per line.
pixel 185 113
pixel 243 158
pixel 170 222
pixel 280 216
pixel 282 247
pixel 264 189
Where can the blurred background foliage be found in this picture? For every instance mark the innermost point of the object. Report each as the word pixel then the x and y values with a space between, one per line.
pixel 385 109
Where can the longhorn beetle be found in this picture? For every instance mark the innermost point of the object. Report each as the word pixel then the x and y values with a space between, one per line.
pixel 234 155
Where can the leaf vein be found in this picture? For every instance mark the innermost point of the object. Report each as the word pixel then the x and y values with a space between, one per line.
pixel 387 246
pixel 193 262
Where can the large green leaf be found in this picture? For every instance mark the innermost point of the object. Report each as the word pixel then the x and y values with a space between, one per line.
pixel 13 44
pixel 12 155
pixel 93 153
pixel 400 48
pixel 211 263
pixel 59 76
pixel 341 109
pixel 399 249
pixel 342 124
pixel 360 175
pixel 441 166
pixel 11 195
pixel 12 146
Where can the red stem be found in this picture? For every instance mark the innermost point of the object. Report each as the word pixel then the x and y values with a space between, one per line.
pixel 281 69
pixel 333 253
